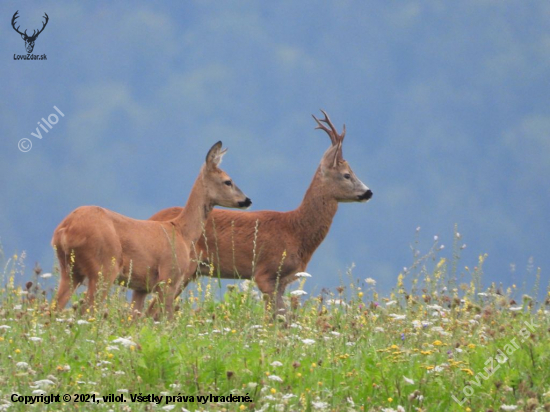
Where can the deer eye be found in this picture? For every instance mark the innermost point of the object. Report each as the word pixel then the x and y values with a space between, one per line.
pixel 228 183
pixel 347 176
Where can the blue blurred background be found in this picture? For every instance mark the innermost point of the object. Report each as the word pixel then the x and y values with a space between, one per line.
pixel 447 108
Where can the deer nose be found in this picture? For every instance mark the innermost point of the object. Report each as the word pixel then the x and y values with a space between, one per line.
pixel 247 202
pixel 366 196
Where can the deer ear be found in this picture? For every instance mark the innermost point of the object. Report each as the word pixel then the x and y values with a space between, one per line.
pixel 330 158
pixel 215 154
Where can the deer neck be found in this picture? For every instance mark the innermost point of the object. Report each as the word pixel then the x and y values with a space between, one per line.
pixel 191 220
pixel 314 215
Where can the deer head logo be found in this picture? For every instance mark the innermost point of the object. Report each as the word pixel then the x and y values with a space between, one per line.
pixel 29 40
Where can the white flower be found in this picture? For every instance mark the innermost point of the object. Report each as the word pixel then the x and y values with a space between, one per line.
pixel 508 407
pixel 125 342
pixel 274 378
pixel 337 302
pixel 391 302
pixel 308 341
pixel 5 327
pixel 435 307
pixel 379 329
pixel 289 396
pixel 335 333
pixel 298 292
pixel 436 237
pixel 168 407
pixel 38 392
pixel 318 405
pixel 22 365
pixel 482 294
pixel 276 363
pixel 82 322
pixel 516 308
pixel 122 390
pixel 35 339
pixel 18 307
pixel 398 317
pixel 302 275
pixel 408 380
pixel 370 281
pixel 442 247
pixel 46 275
pixel 44 383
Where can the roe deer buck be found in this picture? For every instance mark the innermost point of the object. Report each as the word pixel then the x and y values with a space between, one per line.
pixel 230 235
pixel 93 243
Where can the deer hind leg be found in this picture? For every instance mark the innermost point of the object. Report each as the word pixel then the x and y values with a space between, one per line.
pixel 68 283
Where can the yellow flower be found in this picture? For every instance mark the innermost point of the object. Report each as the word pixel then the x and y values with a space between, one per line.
pixel 273 391
pixel 468 371
pixel 437 343
pixel 472 346
pixel 360 294
pixel 242 407
pixel 17 351
pixel 390 399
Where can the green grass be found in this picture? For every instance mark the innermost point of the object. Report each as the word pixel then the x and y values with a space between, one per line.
pixel 413 351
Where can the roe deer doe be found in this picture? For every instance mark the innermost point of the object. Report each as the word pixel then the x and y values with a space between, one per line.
pixel 230 235
pixel 96 244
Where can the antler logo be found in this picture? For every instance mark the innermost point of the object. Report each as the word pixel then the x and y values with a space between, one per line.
pixel 29 40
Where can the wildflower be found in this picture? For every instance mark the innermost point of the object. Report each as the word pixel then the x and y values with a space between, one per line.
pixel 298 292
pixel 398 317
pixel 22 365
pixel 5 327
pixel 308 341
pixel 82 322
pixel 44 383
pixel 46 275
pixel 472 346
pixel 35 339
pixel 390 399
pixel 273 391
pixel 391 302
pixel 516 308
pixel 337 302
pixel 302 275
pixel 276 363
pixel 468 371
pixel 508 407
pixel 408 380
pixel 437 343
pixel 168 407
pixel 125 342
pixel 370 281
pixel 275 378
pixel 318 405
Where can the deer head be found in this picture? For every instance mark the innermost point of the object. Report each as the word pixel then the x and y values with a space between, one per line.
pixel 336 173
pixel 219 186
pixel 29 40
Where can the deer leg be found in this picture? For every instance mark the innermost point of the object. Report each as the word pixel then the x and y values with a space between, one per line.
pixel 138 299
pixel 273 291
pixel 103 277
pixel 67 286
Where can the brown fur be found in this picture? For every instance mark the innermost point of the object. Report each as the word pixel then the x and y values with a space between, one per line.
pixel 230 234
pixel 96 244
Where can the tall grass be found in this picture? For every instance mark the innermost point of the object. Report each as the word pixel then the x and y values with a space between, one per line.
pixel 422 348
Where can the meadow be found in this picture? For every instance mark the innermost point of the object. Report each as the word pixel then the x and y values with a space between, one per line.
pixel 440 341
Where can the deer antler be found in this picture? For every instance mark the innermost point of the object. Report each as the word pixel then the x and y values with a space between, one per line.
pixel 335 138
pixel 15 16
pixel 43 25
